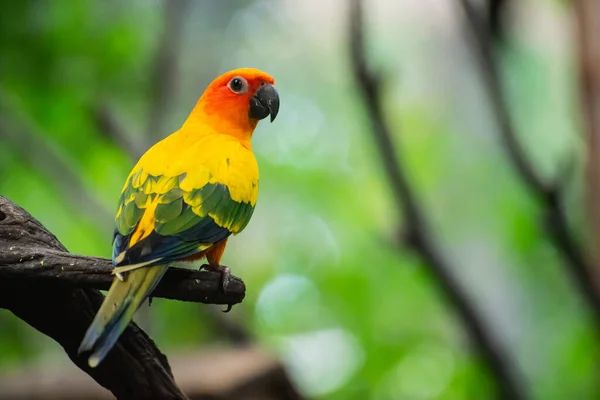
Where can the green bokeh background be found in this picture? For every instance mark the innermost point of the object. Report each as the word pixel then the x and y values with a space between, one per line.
pixel 351 313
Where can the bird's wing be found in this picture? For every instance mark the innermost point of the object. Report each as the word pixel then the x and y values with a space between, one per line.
pixel 167 218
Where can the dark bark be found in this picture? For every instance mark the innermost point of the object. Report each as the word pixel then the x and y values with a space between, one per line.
pixel 112 129
pixel 548 194
pixel 587 15
pixel 164 74
pixel 56 293
pixel 28 254
pixel 496 17
pixel 418 235
pixel 218 374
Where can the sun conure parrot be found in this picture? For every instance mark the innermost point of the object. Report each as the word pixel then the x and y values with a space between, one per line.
pixel 184 197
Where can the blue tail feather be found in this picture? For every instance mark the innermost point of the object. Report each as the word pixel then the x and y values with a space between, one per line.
pixel 117 310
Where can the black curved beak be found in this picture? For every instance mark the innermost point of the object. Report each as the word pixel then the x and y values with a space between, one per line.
pixel 264 102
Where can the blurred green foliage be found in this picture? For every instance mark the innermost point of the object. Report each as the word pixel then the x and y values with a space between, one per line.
pixel 351 313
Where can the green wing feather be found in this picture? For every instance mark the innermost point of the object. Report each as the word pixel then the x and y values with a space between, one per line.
pixel 186 222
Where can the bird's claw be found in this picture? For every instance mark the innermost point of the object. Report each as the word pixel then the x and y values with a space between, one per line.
pixel 229 307
pixel 225 275
pixel 225 278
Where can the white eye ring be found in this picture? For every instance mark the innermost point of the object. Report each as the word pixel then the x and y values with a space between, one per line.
pixel 238 85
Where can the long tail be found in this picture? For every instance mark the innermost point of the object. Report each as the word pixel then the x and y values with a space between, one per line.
pixel 121 302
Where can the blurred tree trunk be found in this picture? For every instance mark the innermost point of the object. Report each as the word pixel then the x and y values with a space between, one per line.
pixel 587 18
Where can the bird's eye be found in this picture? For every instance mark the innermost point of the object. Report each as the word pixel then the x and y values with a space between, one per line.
pixel 238 85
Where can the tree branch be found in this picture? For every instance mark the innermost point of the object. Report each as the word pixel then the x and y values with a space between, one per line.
pixel 496 15
pixel 547 194
pixel 419 237
pixel 217 374
pixel 165 66
pixel 133 369
pixel 484 51
pixel 23 256
pixel 37 285
pixel 109 127
pixel 587 14
pixel 26 138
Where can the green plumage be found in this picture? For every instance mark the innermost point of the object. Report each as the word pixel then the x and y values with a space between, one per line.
pixel 185 222
pixel 179 210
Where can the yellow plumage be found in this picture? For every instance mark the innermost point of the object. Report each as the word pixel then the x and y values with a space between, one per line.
pixel 183 199
pixel 204 158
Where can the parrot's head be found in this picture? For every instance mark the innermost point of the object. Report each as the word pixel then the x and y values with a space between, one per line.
pixel 237 100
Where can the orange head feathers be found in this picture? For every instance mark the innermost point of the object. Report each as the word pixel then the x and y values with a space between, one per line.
pixel 234 102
